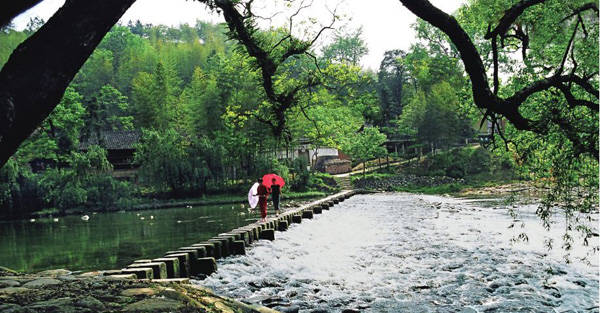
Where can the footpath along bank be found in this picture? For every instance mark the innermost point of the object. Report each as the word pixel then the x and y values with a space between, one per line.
pixel 150 285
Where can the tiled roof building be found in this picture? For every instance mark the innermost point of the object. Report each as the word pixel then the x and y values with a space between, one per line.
pixel 120 147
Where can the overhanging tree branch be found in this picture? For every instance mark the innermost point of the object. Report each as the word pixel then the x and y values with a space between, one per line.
pixel 568 49
pixel 10 9
pixel 585 7
pixel 483 96
pixel 269 58
pixel 510 16
pixel 39 70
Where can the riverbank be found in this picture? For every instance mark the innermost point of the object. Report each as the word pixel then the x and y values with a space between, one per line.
pixel 221 200
pixel 65 291
pixel 460 170
pixel 440 185
pixel 152 204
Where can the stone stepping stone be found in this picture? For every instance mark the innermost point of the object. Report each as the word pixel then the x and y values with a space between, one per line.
pixel 172 265
pixel 172 280
pixel 159 268
pixel 268 234
pixel 13 290
pixel 140 272
pixel 184 263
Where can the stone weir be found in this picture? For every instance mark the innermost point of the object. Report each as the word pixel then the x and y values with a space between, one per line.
pixel 199 260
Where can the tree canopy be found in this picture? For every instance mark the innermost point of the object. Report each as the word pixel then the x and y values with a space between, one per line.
pixel 555 59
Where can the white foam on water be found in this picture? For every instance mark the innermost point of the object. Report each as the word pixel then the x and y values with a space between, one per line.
pixel 409 253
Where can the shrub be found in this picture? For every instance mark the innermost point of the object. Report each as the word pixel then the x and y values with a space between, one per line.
pixel 321 182
pixel 479 161
pixel 20 192
pixel 86 184
pixel 464 162
pixel 105 192
pixel 301 175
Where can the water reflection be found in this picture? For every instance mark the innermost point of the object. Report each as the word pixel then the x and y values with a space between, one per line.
pixel 110 240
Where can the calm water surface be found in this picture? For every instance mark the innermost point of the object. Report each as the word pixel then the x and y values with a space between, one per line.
pixel 111 240
pixel 412 253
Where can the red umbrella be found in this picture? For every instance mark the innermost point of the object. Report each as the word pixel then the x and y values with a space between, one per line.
pixel 267 180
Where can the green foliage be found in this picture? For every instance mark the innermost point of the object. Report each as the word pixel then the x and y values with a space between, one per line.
pixel 204 110
pixel 434 116
pixel 329 125
pixel 86 184
pixel 58 135
pixel 301 175
pixel 201 103
pixel 472 164
pixel 62 190
pixel 10 39
pixel 20 191
pixel 559 40
pixel 571 183
pixel 393 86
pixel 156 97
pixel 98 71
pixel 365 145
pixel 322 182
pixel 110 111
pixel 208 115
pixel 163 161
pixel 346 48
pixel 372 175
pixel 281 169
pixel 66 178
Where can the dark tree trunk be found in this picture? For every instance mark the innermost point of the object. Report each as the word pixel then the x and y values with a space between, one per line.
pixel 39 70
pixel 387 161
pixel 10 9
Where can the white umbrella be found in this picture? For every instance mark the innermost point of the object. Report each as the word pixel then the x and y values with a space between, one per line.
pixel 252 199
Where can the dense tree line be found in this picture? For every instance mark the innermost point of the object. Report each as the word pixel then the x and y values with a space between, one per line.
pixel 203 112
pixel 216 103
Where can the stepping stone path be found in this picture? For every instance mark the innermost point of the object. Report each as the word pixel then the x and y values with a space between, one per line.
pixel 149 285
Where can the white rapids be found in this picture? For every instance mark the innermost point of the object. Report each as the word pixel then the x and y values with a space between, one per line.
pixel 399 252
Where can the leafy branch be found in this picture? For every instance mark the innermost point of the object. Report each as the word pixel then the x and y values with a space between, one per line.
pixel 509 107
pixel 271 57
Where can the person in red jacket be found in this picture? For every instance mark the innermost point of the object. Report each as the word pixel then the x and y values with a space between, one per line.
pixel 263 194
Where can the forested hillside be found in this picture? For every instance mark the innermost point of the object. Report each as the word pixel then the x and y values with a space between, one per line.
pixel 204 117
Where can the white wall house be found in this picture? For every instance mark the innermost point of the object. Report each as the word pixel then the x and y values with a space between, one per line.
pixel 305 150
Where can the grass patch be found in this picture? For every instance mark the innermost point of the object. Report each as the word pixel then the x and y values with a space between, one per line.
pixel 455 188
pixel 433 190
pixel 373 175
pixel 46 212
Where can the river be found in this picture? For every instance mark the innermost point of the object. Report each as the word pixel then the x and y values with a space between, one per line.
pixel 111 240
pixel 400 252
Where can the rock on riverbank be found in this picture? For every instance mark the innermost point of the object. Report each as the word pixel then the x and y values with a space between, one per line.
pixel 389 183
pixel 63 291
